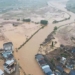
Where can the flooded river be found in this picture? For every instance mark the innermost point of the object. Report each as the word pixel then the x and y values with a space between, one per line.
pixel 26 54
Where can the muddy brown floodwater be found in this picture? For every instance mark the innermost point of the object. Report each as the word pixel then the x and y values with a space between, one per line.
pixel 26 54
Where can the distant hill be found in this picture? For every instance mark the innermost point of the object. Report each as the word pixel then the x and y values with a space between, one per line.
pixel 71 5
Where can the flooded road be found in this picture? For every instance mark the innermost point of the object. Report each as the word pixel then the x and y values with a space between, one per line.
pixel 26 54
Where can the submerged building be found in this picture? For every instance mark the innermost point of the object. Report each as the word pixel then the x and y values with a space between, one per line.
pixel 9 66
pixel 1 72
pixel 8 46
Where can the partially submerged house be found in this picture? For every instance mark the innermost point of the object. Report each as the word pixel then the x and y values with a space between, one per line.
pixel 1 72
pixel 8 51
pixel 9 66
pixel 7 55
pixel 43 64
pixel 8 46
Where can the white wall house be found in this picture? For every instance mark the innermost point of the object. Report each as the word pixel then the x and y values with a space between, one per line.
pixel 9 66
pixel 8 46
pixel 1 72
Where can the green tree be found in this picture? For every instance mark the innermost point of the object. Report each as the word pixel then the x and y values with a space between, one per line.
pixel 26 20
pixel 44 22
pixel 55 28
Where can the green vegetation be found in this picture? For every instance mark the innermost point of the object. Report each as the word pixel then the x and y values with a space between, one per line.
pixel 26 20
pixel 52 62
pixel 44 22
pixel 64 55
pixel 55 28
pixel 52 44
pixel 71 5
pixel 55 21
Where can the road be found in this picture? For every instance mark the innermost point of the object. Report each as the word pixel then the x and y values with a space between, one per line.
pixel 26 54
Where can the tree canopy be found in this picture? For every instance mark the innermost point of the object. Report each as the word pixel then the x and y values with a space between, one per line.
pixel 44 22
pixel 26 20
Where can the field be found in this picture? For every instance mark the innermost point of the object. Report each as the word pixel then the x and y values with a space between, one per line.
pixel 66 34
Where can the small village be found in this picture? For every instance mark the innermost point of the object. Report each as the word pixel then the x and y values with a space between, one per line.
pixel 53 59
pixel 60 58
pixel 10 66
pixel 30 43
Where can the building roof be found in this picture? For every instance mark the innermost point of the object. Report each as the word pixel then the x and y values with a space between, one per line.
pixel 59 68
pixel 70 66
pixel 57 73
pixel 47 70
pixel 73 51
pixel 9 62
pixel 8 43
pixel 39 56
pixel 40 59
pixel 6 54
pixel 1 72
pixel 72 72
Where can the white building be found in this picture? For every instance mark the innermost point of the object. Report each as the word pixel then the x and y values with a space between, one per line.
pixel 63 60
pixel 1 72
pixel 9 66
pixel 8 46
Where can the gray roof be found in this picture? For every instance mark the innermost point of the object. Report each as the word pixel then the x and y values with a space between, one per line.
pixel 59 68
pixel 39 56
pixel 8 43
pixel 46 70
pixel 7 55
pixel 57 73
pixel 72 72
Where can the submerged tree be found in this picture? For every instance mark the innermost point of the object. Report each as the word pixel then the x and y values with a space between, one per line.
pixel 55 28
pixel 44 22
pixel 26 20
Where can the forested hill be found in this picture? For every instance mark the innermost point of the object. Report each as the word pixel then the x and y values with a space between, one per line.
pixel 71 5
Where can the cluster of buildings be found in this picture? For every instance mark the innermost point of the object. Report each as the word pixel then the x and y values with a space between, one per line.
pixel 68 61
pixel 43 64
pixel 61 61
pixel 9 61
pixel 64 61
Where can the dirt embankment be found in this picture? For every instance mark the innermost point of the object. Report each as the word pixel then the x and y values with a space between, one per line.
pixel 66 34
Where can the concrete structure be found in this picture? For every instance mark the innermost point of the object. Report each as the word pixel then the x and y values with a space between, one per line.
pixel 7 55
pixel 44 66
pixel 8 46
pixel 9 66
pixel 63 60
pixel 8 51
pixel 1 72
